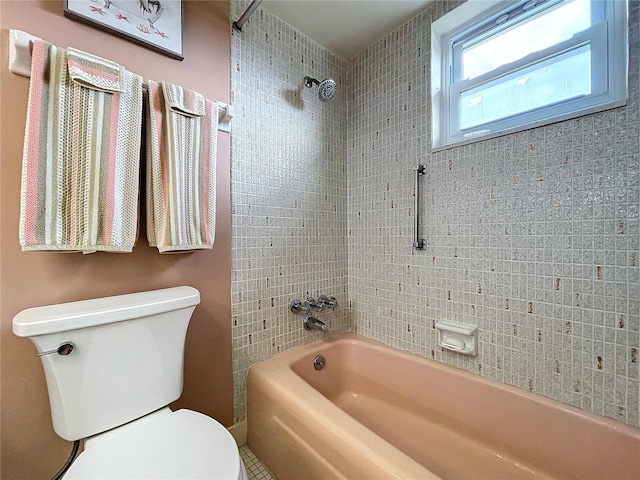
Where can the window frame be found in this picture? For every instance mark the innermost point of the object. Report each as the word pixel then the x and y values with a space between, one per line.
pixel 609 86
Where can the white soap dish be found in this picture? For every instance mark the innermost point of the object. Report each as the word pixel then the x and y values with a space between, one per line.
pixel 458 337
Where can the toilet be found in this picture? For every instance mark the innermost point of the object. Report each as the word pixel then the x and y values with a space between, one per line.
pixel 112 366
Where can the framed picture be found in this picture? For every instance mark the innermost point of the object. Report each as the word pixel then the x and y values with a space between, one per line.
pixel 156 24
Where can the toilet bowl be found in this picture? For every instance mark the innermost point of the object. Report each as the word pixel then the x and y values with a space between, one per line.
pixel 112 367
pixel 161 445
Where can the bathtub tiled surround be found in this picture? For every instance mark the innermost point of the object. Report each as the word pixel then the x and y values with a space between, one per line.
pixel 533 236
pixel 288 190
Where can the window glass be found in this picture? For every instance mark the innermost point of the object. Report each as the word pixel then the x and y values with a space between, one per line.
pixel 501 67
pixel 559 78
pixel 549 27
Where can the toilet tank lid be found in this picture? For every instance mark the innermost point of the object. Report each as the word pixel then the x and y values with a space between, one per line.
pixel 89 313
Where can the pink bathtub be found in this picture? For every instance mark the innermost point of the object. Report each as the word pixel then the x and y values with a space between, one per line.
pixel 375 412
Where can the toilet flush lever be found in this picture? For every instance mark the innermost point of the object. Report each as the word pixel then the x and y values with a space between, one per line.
pixel 64 350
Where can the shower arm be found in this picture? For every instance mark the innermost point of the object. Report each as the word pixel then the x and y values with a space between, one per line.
pixel 308 82
pixel 237 26
pixel 418 244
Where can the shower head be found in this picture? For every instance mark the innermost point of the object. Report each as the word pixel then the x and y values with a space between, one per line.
pixel 326 88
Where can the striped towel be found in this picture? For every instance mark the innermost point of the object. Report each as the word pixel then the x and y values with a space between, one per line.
pixel 81 157
pixel 181 169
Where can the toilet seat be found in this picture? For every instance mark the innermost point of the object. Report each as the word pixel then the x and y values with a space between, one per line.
pixel 162 445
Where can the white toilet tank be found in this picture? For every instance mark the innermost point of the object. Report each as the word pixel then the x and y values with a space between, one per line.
pixel 126 359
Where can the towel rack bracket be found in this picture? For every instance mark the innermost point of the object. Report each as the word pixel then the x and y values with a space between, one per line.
pixel 20 52
pixel 20 44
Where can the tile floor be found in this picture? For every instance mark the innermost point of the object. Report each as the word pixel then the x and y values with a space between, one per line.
pixel 255 469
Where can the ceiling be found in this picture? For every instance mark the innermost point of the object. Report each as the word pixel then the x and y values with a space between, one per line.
pixel 345 27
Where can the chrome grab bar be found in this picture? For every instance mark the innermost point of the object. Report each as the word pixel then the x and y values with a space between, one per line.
pixel 418 244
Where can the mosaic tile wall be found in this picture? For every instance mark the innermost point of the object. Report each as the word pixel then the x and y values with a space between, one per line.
pixel 533 236
pixel 288 190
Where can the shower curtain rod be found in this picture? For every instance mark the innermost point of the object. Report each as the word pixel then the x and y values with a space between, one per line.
pixel 20 63
pixel 237 26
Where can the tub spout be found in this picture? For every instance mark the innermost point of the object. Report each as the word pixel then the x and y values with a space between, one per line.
pixel 312 323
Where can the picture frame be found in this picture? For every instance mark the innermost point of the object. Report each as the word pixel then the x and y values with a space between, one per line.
pixel 155 24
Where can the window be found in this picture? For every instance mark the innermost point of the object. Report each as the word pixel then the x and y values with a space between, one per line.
pixel 524 64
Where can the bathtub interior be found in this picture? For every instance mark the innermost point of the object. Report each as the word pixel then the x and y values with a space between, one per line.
pixel 459 425
pixel 298 433
pixel 442 444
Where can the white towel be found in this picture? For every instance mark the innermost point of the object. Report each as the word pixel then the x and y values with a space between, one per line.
pixel 181 169
pixel 81 156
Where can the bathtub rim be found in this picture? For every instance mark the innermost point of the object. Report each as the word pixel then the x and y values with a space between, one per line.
pixel 350 337
pixel 296 383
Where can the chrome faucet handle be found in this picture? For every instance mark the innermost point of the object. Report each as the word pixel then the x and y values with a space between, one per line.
pixel 299 308
pixel 330 302
pixel 315 304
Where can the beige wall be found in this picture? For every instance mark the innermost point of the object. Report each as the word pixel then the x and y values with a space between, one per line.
pixel 30 448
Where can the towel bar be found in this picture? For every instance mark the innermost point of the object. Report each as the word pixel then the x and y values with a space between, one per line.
pixel 20 64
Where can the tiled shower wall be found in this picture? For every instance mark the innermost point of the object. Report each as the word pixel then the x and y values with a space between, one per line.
pixel 288 190
pixel 534 237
